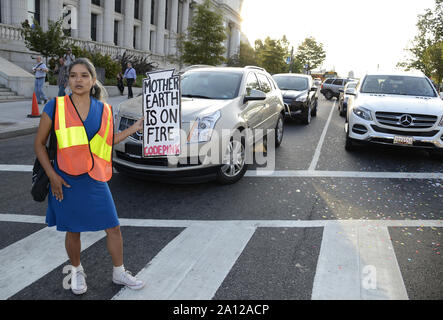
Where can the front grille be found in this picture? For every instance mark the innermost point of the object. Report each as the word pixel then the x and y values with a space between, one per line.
pixel 125 123
pixel 405 133
pixel 392 119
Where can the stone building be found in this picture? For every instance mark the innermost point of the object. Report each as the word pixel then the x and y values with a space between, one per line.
pixel 140 27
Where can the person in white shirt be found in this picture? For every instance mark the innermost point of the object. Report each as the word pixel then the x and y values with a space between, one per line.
pixel 40 71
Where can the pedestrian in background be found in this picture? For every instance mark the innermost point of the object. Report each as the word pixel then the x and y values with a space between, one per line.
pixel 79 198
pixel 130 76
pixel 69 57
pixel 40 71
pixel 120 85
pixel 62 79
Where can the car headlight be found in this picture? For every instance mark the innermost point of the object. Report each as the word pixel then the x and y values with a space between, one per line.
pixel 203 127
pixel 302 98
pixel 362 113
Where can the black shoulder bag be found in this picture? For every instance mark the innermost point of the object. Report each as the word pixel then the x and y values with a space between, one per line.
pixel 40 181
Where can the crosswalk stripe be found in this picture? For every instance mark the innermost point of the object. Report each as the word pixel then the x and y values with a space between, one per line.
pixel 357 263
pixel 261 173
pixel 193 265
pixel 31 258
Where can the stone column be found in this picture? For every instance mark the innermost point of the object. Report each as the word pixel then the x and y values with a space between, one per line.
pixel 129 24
pixel 55 10
pixel 19 10
pixel 44 9
pixel 160 37
pixel 185 17
pixel 84 20
pixel 235 40
pixel 145 37
pixel 108 21
pixel 173 29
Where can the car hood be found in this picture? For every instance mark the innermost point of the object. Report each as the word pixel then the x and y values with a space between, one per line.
pixel 191 107
pixel 406 104
pixel 293 94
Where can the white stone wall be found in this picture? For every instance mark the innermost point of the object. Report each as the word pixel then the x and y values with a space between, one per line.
pixel 150 38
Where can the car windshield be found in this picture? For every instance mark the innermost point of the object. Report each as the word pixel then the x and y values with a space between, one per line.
pixel 401 85
pixel 351 85
pixel 210 85
pixel 291 83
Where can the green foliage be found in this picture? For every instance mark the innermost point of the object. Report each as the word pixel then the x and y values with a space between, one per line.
pixel 49 44
pixel 140 64
pixel 311 53
pixel 245 57
pixel 271 54
pixel 425 46
pixel 433 61
pixel 112 67
pixel 204 44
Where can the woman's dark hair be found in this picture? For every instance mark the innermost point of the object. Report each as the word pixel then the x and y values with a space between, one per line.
pixel 98 91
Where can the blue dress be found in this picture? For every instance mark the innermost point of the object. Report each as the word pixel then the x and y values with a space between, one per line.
pixel 88 205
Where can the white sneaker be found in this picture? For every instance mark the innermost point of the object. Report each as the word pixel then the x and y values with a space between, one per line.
pixel 78 281
pixel 127 279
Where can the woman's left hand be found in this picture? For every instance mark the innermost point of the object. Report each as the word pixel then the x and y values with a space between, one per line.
pixel 138 126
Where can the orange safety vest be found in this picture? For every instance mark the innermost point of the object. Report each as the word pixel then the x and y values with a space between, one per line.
pixel 77 155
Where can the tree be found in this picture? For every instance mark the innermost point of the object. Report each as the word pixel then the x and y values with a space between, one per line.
pixel 311 53
pixel 271 54
pixel 433 61
pixel 245 57
pixel 430 34
pixel 206 35
pixel 49 44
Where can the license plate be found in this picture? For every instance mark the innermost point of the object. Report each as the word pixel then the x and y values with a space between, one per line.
pixel 404 140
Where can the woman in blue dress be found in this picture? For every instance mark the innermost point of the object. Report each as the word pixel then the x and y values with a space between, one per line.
pixel 80 203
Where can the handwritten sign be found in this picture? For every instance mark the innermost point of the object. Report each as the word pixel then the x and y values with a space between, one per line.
pixel 162 114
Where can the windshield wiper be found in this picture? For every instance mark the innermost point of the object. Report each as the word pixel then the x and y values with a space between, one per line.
pixel 195 96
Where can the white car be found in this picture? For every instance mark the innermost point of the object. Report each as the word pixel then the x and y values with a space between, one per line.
pixel 214 102
pixel 401 109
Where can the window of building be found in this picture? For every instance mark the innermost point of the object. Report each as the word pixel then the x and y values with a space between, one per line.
pixel 96 2
pixel 67 32
pixel 94 27
pixel 151 41
pixel 115 32
pixel 136 9
pixel 166 14
pixel 118 6
pixel 33 11
pixel 134 37
pixel 152 11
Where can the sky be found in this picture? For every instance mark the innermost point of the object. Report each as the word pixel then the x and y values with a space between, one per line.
pixel 357 35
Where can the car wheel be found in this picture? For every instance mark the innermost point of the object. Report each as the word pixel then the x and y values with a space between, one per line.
pixel 328 95
pixel 342 111
pixel 279 130
pixel 314 110
pixel 235 167
pixel 307 116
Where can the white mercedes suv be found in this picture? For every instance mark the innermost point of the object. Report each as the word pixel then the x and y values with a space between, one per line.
pixel 401 109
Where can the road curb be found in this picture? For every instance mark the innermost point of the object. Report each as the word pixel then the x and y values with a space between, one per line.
pixel 18 132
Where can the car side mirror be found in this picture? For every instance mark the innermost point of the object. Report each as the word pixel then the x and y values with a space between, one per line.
pixel 314 88
pixel 254 95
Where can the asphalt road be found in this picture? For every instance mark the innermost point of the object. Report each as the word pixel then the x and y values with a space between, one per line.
pixel 262 238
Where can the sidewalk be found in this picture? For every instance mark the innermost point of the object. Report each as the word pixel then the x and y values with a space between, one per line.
pixel 14 121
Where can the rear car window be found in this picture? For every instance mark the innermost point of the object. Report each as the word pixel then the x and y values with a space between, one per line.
pixel 328 81
pixel 338 82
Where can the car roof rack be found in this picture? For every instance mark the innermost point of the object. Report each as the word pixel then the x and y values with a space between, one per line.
pixel 255 67
pixel 195 66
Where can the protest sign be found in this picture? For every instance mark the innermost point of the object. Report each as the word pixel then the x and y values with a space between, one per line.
pixel 162 114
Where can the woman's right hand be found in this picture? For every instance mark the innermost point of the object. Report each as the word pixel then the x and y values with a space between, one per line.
pixel 57 183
